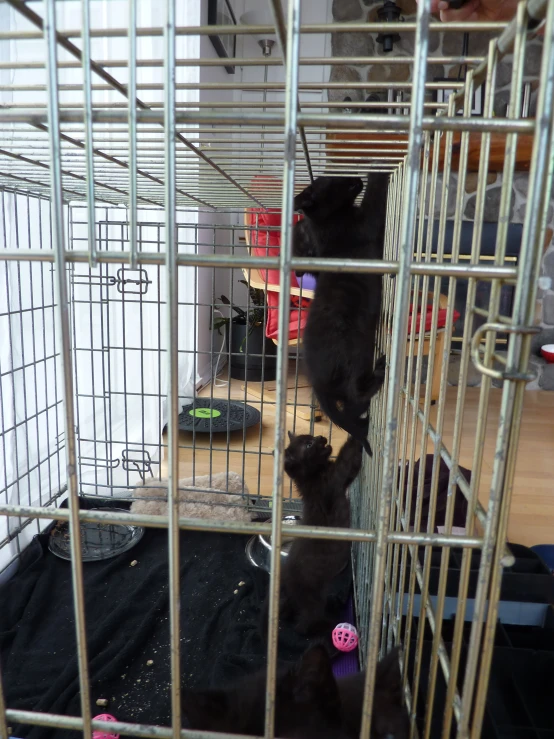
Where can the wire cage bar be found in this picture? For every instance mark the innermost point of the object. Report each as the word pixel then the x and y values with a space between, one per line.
pixel 134 174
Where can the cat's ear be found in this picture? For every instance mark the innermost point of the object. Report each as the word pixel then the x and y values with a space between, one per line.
pixel 202 707
pixel 305 200
pixel 388 676
pixel 292 436
pixel 314 677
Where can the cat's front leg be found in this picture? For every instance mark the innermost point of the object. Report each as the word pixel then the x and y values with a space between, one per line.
pixel 372 381
pixel 348 463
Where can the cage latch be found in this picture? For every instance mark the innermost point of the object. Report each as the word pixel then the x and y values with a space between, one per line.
pixel 132 281
pixel 137 460
pixel 489 371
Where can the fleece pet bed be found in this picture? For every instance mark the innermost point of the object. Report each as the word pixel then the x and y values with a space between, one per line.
pixel 127 616
pixel 230 504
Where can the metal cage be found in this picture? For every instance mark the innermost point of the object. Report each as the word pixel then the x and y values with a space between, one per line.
pixel 125 196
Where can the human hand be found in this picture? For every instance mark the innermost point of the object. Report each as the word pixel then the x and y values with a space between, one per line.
pixel 476 10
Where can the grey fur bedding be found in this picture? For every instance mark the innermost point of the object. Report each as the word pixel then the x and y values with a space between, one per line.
pixel 230 504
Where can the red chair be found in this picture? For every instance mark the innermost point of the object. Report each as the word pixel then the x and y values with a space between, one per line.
pixel 263 239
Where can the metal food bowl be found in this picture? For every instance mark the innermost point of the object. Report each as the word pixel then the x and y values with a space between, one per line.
pixel 258 548
pixel 286 541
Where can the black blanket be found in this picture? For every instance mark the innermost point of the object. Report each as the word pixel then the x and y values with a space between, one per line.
pixel 127 616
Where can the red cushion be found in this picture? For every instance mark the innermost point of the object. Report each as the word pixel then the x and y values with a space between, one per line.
pixel 441 318
pixel 264 243
pixel 297 317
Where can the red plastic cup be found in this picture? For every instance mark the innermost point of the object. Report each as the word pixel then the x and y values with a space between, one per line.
pixel 547 351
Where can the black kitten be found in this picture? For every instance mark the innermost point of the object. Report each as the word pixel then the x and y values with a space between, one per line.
pixel 312 564
pixel 303 243
pixel 340 192
pixel 390 717
pixel 310 703
pixel 339 338
pixel 306 697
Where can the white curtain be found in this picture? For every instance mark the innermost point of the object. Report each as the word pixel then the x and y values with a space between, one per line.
pixel 118 327
pixel 32 463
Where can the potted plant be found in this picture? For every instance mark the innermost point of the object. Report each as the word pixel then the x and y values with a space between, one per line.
pixel 252 354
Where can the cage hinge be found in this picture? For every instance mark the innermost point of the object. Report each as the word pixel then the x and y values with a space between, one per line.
pixel 60 438
pixel 92 280
pixel 108 463
pixel 489 371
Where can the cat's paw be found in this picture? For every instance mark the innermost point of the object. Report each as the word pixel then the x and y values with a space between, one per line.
pixel 380 366
pixel 363 424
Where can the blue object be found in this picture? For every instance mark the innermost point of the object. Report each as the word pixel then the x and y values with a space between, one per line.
pixel 307 281
pixel 546 553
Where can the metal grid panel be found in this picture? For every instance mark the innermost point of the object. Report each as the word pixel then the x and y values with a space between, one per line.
pixel 88 151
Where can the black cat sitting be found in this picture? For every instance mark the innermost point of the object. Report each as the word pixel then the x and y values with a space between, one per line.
pixel 310 702
pixel 340 334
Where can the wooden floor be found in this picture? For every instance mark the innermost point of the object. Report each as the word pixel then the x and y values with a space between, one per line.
pixel 532 509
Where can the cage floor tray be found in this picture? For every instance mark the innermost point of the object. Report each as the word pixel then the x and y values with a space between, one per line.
pixel 98 540
pixel 207 415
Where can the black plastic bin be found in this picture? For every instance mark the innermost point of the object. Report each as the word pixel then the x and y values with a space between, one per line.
pixel 520 699
pixel 527 588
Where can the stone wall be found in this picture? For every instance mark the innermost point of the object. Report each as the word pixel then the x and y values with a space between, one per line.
pixel 448 44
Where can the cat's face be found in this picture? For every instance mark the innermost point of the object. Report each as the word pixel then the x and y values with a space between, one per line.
pixel 326 195
pixel 303 242
pixel 307 703
pixel 306 452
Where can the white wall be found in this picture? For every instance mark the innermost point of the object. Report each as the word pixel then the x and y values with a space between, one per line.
pixel 212 233
pixel 312 45
pixel 312 11
pixel 116 375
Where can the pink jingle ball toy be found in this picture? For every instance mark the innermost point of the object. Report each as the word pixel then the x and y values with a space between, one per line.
pixel 98 733
pixel 345 637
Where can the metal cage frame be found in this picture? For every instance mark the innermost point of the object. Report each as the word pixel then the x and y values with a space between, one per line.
pixel 183 175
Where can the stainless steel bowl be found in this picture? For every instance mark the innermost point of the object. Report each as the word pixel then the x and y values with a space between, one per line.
pixel 258 548
pixel 286 541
